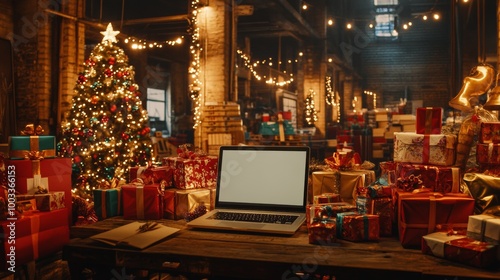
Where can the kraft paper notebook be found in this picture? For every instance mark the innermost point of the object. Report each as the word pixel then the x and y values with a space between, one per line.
pixel 131 235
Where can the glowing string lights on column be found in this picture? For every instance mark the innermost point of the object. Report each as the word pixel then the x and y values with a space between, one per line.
pixel 311 112
pixel 194 69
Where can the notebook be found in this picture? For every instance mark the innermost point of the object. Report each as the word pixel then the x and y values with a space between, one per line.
pixel 270 181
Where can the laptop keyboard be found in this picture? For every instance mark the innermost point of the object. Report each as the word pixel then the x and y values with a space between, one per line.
pixel 254 217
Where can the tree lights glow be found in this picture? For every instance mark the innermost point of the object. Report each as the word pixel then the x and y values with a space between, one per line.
pixel 106 131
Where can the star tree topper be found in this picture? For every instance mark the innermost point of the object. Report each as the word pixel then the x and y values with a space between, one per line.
pixel 110 34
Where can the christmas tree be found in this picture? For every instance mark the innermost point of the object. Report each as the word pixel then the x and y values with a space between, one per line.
pixel 106 131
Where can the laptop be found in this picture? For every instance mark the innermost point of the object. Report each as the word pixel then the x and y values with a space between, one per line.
pixel 259 189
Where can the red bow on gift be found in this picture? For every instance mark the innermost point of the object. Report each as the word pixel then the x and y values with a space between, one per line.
pixel 343 160
pixel 188 152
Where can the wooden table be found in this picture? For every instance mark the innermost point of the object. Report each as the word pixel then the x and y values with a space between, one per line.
pixel 207 254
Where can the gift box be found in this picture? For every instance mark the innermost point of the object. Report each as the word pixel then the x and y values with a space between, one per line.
pixel 24 147
pixel 197 172
pixel 381 206
pixel 273 128
pixel 323 182
pixel 489 133
pixel 152 174
pixel 36 236
pixel 434 149
pixel 484 228
pixel 488 154
pixel 443 179
pixel 142 202
pixel 485 189
pixel 379 188
pixel 318 212
pixel 353 226
pixel 429 120
pixel 459 248
pixel 323 232
pixel 50 201
pixel 326 198
pixel 177 203
pixel 354 183
pixel 425 212
pixel 107 202
pixel 346 183
pixel 54 172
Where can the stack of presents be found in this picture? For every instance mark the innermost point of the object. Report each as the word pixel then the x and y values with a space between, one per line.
pixel 181 187
pixel 426 196
pixel 35 199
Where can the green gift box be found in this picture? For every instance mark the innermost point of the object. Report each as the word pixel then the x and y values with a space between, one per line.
pixel 107 203
pixel 21 147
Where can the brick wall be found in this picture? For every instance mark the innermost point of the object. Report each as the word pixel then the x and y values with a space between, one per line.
pixel 71 55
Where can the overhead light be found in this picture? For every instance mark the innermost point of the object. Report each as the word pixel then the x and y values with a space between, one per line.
pixel 304 7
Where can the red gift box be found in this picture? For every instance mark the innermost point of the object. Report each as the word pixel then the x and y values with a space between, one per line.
pixel 55 171
pixel 426 212
pixel 152 174
pixel 429 120
pixel 326 198
pixel 142 202
pixel 381 206
pixel 322 232
pixel 443 179
pixel 177 203
pixel 358 227
pixel 36 236
pixel 488 153
pixel 460 248
pixel 489 133
pixel 317 212
pixel 197 172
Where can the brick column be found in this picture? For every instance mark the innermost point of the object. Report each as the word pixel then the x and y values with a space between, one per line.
pixel 217 24
pixel 71 55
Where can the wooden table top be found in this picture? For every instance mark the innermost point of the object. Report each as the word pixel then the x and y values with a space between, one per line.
pixel 264 256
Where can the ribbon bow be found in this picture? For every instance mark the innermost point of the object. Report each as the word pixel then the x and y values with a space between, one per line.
pixel 30 129
pixel 343 161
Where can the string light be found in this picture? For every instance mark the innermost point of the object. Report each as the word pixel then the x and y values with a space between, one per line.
pixel 142 44
pixel 311 112
pixel 374 95
pixel 252 65
pixel 194 69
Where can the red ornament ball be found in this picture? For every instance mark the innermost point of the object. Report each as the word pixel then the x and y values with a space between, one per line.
pixel 108 72
pixel 94 99
pixel 77 159
pixel 111 60
pixel 113 108
pixel 82 79
pixel 131 88
pixel 119 74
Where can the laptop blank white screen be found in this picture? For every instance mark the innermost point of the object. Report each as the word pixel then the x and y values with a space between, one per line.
pixel 275 177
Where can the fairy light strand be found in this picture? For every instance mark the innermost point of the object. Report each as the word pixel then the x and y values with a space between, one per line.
pixel 194 69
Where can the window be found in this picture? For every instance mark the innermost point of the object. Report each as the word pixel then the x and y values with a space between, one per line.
pixel 158 110
pixel 386 18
